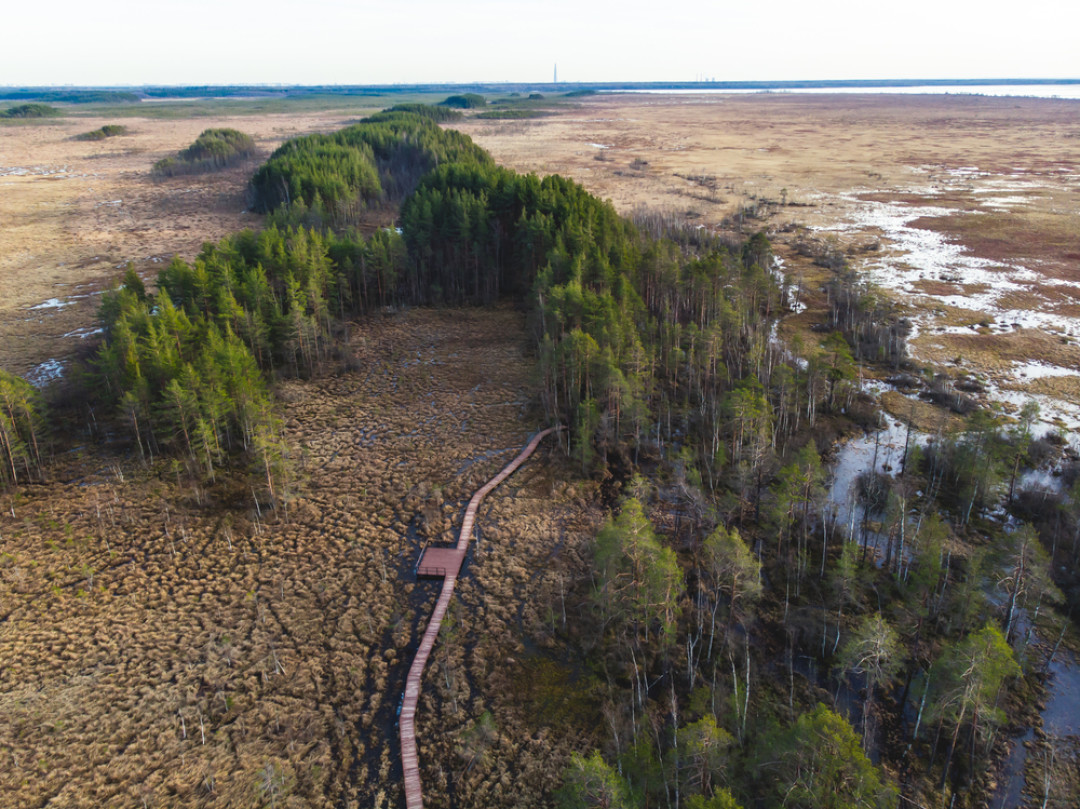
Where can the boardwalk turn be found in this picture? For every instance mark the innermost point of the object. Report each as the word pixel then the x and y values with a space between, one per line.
pixel 410 762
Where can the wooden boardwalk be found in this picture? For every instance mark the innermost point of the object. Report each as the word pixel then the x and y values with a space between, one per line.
pixel 440 562
pixel 410 761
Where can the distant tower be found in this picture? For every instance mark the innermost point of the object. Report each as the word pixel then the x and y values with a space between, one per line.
pixel 556 73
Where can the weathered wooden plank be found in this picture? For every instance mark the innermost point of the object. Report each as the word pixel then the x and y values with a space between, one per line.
pixel 410 759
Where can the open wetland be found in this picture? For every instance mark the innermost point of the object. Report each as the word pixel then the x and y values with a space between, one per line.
pixel 174 636
pixel 169 644
pixel 950 204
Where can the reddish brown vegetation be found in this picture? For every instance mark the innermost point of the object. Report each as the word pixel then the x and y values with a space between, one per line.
pixel 164 646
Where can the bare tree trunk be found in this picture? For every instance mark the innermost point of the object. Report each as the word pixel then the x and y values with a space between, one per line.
pixel 952 748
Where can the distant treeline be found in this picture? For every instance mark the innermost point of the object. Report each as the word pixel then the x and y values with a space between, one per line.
pixel 70 96
pixel 214 149
pixel 257 91
pixel 30 111
pixel 91 95
pixel 232 91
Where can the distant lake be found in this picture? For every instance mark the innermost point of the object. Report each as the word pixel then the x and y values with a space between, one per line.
pixel 1068 91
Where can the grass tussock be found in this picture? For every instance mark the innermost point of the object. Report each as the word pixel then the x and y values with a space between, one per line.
pixel 107 131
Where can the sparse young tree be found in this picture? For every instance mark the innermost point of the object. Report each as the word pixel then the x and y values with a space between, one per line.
pixel 720 799
pixel 640 581
pixel 818 763
pixel 704 753
pixel 873 652
pixel 731 573
pixel 965 685
pixel 590 783
pixel 21 430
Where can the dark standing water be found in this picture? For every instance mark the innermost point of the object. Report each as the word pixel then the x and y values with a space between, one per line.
pixel 1061 718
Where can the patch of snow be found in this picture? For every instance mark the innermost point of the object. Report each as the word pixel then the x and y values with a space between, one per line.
pixel 1040 480
pixel 967 172
pixel 1054 412
pixel 788 356
pixel 32 171
pixel 45 373
pixel 777 269
pixel 52 303
pixel 999 186
pixel 1042 370
pixel 875 387
pixel 84 332
pixel 916 254
pixel 1004 203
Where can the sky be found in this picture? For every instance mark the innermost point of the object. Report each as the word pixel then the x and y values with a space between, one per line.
pixel 124 42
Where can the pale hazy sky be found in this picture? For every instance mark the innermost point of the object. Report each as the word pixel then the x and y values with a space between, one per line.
pixel 98 42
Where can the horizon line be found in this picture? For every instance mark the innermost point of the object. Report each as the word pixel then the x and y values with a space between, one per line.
pixel 613 84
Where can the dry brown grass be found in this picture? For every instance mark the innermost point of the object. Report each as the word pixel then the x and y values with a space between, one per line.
pixel 942 289
pixel 923 416
pixel 132 613
pixel 996 353
pixel 754 146
pixel 1065 387
pixel 1048 237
